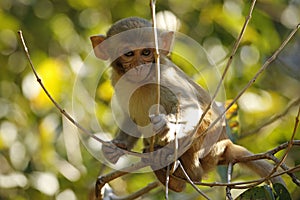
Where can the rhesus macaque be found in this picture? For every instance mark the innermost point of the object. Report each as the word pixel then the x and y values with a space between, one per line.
pixel 129 45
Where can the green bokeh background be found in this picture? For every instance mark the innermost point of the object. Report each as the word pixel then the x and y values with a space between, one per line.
pixel 42 158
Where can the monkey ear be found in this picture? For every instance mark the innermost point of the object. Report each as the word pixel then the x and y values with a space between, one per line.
pixel 100 51
pixel 167 38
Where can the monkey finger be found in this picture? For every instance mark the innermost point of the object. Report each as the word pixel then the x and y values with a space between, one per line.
pixel 157 118
pixel 112 153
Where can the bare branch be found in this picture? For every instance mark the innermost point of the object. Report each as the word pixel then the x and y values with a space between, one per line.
pixel 270 152
pixel 102 180
pixel 157 54
pixel 260 71
pixel 138 193
pixel 270 155
pixel 192 183
pixel 265 65
pixel 167 183
pixel 290 143
pixel 62 111
pixel 39 80
pixel 259 181
pixel 229 174
pixel 286 168
pixel 234 50
pixel 247 184
pixel 157 62
pixel 272 119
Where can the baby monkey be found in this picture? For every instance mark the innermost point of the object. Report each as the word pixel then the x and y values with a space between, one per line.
pixel 129 45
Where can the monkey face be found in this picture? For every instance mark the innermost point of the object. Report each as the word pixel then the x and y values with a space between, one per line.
pixel 135 64
pixel 137 57
pixel 132 42
pixel 131 49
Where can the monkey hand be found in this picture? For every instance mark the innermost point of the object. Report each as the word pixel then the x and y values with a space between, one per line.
pixel 159 122
pixel 114 151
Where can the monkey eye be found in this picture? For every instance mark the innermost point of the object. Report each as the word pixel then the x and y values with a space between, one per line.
pixel 129 54
pixel 146 52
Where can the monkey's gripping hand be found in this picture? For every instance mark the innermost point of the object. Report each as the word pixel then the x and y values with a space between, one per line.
pixel 114 151
pixel 164 126
pixel 159 122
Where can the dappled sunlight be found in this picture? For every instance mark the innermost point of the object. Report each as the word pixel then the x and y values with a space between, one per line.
pixel 44 156
pixel 45 182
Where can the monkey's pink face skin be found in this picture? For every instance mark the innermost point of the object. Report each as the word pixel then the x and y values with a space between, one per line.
pixel 137 63
pixel 139 74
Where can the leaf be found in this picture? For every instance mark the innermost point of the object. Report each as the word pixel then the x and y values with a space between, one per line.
pixel 257 193
pixel 281 192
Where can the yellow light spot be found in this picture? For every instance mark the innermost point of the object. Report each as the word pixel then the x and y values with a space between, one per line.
pixel 50 71
pixel 105 91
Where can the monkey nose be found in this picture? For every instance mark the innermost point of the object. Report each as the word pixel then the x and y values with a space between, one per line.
pixel 138 69
pixel 140 62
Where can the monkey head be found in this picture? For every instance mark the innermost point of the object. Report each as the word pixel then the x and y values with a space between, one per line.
pixel 130 45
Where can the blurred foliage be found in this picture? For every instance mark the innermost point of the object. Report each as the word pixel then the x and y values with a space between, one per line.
pixel 42 158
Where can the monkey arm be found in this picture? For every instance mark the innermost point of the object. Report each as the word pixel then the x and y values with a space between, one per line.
pixel 120 144
pixel 159 122
pixel 124 140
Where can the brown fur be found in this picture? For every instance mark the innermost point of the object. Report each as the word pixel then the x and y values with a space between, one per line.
pixel 205 152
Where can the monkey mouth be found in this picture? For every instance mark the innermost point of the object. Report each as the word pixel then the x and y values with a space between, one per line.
pixel 141 73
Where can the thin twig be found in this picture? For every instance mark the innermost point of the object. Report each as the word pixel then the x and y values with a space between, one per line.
pixel 285 167
pixel 102 180
pixel 279 163
pixel 270 152
pixel 191 182
pixel 270 155
pixel 260 71
pixel 174 166
pixel 138 193
pixel 157 54
pixel 272 119
pixel 62 111
pixel 157 62
pixel 246 184
pixel 39 80
pixel 234 50
pixel 290 144
pixel 228 193
pixel 259 181
pixel 267 155
pixel 229 174
pixel 167 182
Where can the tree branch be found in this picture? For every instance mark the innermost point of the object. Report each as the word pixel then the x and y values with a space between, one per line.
pixel 258 73
pixel 62 111
pixel 272 119
pixel 234 50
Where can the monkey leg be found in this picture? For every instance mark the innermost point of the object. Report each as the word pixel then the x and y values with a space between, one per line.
pixel 175 184
pixel 234 152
